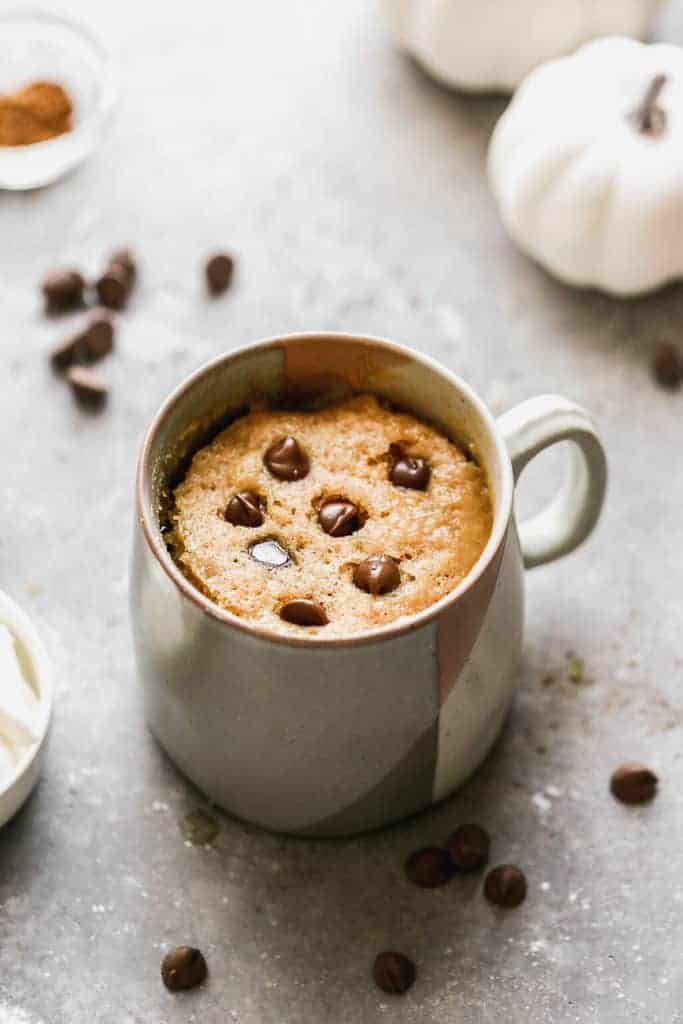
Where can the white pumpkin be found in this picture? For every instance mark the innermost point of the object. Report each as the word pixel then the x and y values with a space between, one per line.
pixel 490 45
pixel 587 166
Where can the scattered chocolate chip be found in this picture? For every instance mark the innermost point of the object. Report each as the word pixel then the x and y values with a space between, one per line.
pixel 302 612
pixel 667 366
pixel 245 509
pixel 113 287
pixel 407 471
pixel 63 290
pixel 469 847
pixel 123 259
pixel 286 459
pixel 199 828
pixel 378 574
pixel 430 867
pixel 505 886
pixel 68 352
pixel 99 337
pixel 94 342
pixel 89 389
pixel 219 271
pixel 270 553
pixel 394 973
pixel 339 517
pixel 184 967
pixel 634 783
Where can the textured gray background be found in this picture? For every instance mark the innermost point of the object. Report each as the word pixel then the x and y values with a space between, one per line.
pixel 353 191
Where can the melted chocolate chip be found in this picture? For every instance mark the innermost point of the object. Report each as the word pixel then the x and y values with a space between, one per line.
pixel 339 517
pixel 394 973
pixel 245 509
pixel 408 471
pixel 378 574
pixel 269 553
pixel 469 847
pixel 505 886
pixel 302 612
pixel 286 459
pixel 430 867
pixel 184 967
pixel 634 783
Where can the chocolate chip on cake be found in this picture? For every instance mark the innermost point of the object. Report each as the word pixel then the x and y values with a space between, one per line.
pixel 302 612
pixel 430 867
pixel 245 508
pixel 634 783
pixel 219 271
pixel 505 886
pixel 408 471
pixel 667 366
pixel 394 973
pixel 63 290
pixel 469 847
pixel 183 967
pixel 286 459
pixel 339 517
pixel 269 553
pixel 376 575
pixel 88 388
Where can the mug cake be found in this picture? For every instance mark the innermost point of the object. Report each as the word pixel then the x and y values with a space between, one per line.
pixel 332 520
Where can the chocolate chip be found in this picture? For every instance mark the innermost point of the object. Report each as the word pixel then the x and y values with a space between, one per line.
pixel 394 973
pixel 407 471
pixel 302 612
pixel 378 574
pixel 505 886
pixel 245 509
pixel 634 783
pixel 184 967
pixel 430 867
pixel 94 342
pixel 113 287
pixel 270 553
pixel 219 270
pixel 469 847
pixel 667 366
pixel 124 259
pixel 88 388
pixel 68 352
pixel 339 517
pixel 63 290
pixel 286 459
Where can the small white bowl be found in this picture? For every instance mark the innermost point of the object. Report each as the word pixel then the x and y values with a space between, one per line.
pixel 36 668
pixel 36 45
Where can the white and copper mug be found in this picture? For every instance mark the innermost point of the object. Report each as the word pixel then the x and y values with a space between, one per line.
pixel 332 737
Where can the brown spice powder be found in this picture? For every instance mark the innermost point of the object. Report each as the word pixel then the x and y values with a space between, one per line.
pixel 39 111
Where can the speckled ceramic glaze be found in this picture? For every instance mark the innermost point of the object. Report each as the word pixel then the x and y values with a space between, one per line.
pixel 332 737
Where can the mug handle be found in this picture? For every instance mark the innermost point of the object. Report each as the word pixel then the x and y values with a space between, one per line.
pixel 570 517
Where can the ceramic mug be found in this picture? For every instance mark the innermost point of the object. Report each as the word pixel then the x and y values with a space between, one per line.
pixel 333 737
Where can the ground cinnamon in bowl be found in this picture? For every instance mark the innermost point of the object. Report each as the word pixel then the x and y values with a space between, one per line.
pixel 39 111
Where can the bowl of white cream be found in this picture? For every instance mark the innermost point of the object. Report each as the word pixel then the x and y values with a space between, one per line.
pixel 26 696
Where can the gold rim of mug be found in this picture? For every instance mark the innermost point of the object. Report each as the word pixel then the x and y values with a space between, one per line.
pixel 405 624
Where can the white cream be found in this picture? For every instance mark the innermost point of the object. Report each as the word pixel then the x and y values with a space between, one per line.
pixel 20 711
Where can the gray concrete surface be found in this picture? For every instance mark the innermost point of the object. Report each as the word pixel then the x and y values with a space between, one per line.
pixel 353 191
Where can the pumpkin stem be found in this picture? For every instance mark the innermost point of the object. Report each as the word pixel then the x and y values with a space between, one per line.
pixel 649 118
